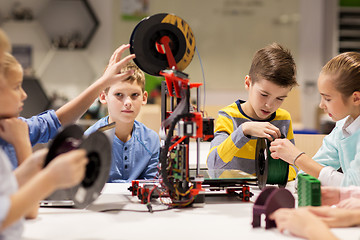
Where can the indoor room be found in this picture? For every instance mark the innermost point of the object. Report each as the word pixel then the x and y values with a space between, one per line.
pixel 67 48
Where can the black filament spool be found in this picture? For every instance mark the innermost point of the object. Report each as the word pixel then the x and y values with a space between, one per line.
pixel 98 149
pixel 150 30
pixel 269 170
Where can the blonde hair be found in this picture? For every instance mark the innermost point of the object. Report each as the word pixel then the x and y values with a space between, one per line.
pixel 10 64
pixel 4 42
pixel 345 69
pixel 4 47
pixel 137 76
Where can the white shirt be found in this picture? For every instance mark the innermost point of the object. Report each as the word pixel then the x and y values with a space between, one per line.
pixel 8 186
pixel 351 126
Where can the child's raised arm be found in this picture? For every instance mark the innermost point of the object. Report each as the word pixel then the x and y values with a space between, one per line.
pixel 74 109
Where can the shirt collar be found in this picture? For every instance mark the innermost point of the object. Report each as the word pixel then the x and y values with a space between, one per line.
pixel 239 102
pixel 351 126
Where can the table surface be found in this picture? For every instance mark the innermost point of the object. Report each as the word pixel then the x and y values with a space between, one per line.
pixel 220 217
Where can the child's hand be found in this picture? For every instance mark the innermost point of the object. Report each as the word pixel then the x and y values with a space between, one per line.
pixel 261 130
pixel 112 72
pixel 337 217
pixel 300 222
pixel 29 168
pixel 68 169
pixel 284 149
pixel 330 195
pixel 14 130
pixel 350 203
pixel 35 162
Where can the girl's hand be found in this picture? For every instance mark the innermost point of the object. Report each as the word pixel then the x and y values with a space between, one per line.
pixel 284 149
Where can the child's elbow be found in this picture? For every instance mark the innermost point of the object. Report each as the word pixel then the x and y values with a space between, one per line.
pixel 32 214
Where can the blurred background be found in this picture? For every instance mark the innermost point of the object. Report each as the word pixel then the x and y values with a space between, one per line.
pixel 64 46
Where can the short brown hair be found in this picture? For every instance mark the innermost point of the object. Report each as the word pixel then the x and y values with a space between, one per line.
pixel 137 76
pixel 345 69
pixel 275 64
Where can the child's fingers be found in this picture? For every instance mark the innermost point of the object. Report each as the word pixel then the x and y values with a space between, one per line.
pixel 319 211
pixel 120 51
pixel 115 53
pixel 74 157
pixel 280 214
pixel 82 168
pixel 281 142
pixel 84 161
pixel 80 161
pixel 272 147
pixel 274 131
pixel 269 137
pixel 124 75
pixel 126 59
pixel 281 217
pixel 274 155
pixel 116 56
pixel 349 203
pixel 275 142
pixel 2 126
pixel 119 65
pixel 79 156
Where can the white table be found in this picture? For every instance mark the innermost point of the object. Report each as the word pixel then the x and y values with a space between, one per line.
pixel 219 218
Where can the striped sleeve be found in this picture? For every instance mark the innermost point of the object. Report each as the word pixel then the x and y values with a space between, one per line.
pixel 227 143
